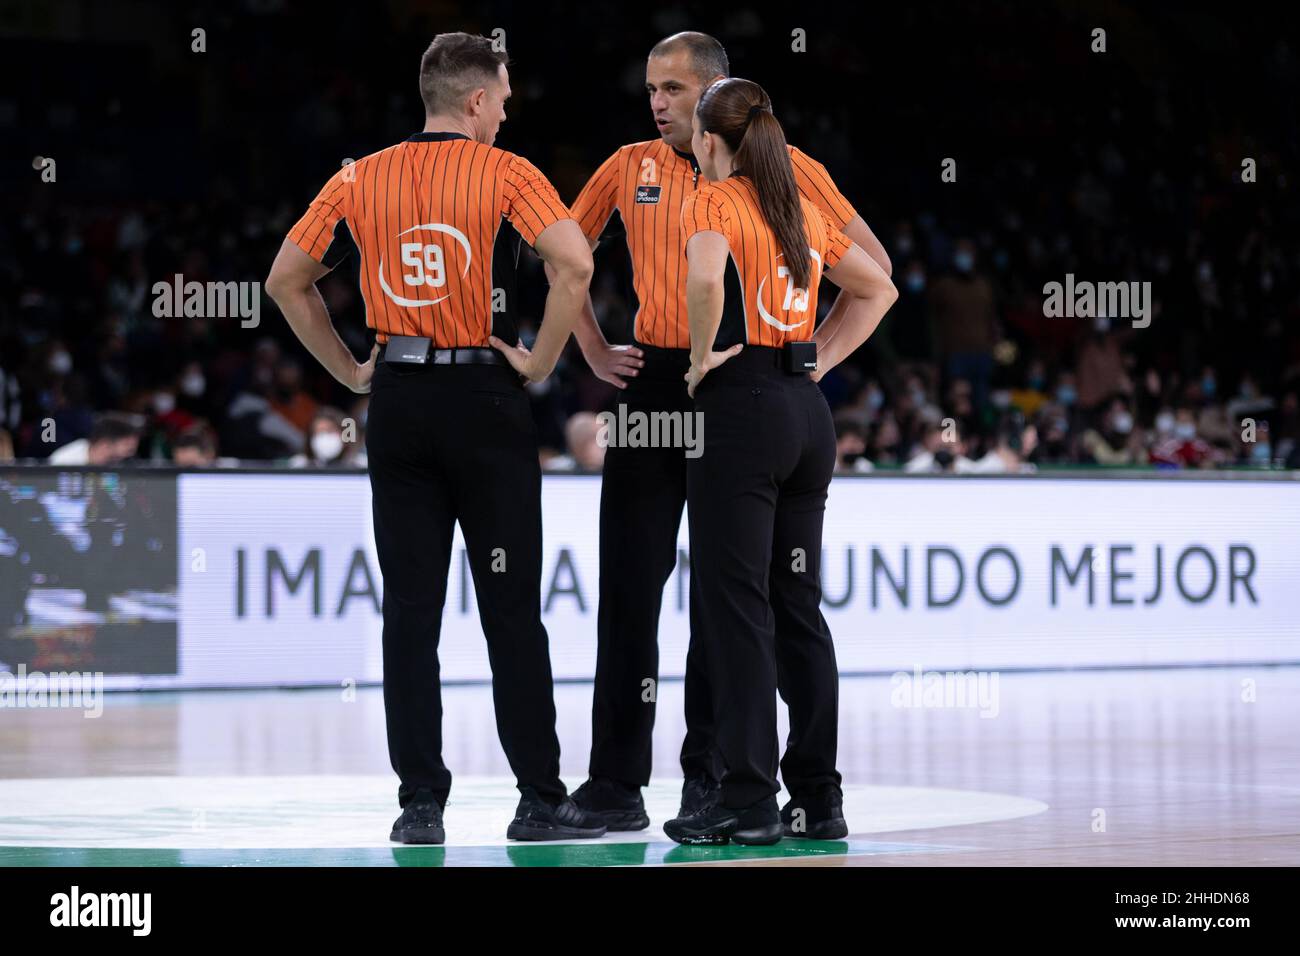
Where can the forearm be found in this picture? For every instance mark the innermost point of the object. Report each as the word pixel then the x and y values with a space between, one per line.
pixel 586 329
pixel 844 311
pixel 704 309
pixel 305 311
pixel 565 302
pixel 833 321
pixel 852 320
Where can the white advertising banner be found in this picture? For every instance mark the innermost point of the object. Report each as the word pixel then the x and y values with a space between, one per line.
pixel 279 582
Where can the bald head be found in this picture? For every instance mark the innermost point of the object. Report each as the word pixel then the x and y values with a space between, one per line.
pixel 678 70
pixel 707 58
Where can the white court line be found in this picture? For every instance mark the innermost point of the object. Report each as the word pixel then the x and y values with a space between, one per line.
pixel 298 812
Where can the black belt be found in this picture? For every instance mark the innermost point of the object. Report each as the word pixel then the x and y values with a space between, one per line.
pixel 793 358
pixel 476 356
pixel 462 356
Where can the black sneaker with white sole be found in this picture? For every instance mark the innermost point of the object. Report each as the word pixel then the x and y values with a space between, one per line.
pixel 620 808
pixel 535 819
pixel 420 822
pixel 818 815
pixel 715 825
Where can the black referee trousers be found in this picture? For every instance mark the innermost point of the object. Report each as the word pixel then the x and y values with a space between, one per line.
pixel 757 499
pixel 642 493
pixel 447 444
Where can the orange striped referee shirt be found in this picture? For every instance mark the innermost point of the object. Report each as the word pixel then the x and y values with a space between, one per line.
pixel 761 305
pixel 646 183
pixel 437 220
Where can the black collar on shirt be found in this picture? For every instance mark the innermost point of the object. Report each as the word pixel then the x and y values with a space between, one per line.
pixel 689 157
pixel 434 137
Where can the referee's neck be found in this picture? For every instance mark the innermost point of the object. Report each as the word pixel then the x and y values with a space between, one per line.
pixel 446 124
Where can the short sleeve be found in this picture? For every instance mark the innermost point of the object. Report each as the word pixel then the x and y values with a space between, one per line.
pixel 703 212
pixel 816 184
pixel 598 199
pixel 314 232
pixel 837 244
pixel 531 202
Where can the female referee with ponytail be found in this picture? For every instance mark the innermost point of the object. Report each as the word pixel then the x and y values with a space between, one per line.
pixel 757 494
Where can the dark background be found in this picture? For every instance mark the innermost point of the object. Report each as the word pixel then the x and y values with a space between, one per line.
pixel 1119 166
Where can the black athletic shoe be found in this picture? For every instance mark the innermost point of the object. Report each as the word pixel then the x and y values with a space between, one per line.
pixel 535 819
pixel 420 822
pixel 822 817
pixel 618 807
pixel 698 794
pixel 759 825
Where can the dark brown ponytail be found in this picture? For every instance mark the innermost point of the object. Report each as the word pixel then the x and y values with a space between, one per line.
pixel 741 113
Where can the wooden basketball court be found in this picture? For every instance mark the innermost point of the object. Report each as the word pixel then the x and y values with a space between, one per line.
pixel 1095 768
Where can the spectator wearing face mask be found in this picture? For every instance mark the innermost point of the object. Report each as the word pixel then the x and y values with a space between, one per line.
pixel 1248 402
pixel 1067 392
pixel 850 445
pixel 170 418
pixel 1100 369
pixel 1114 441
pixel 1209 383
pixel 192 395
pixel 59 360
pixel 1260 453
pixel 326 446
pixel 1053 446
pixel 1177 444
pixel 1033 395
pixel 289 399
pixel 942 450
pixel 909 325
pixel 965 321
pixel 915 398
pixel 884 449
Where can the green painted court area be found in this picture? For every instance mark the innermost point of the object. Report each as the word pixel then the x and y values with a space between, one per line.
pixel 650 853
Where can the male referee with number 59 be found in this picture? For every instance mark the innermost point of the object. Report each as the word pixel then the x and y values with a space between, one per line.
pixel 450 435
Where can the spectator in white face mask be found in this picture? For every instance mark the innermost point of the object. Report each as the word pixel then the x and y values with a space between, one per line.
pixel 1114 441
pixel 328 438
pixel 1177 443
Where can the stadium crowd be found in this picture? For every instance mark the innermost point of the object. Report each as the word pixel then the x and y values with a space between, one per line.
pixel 1141 182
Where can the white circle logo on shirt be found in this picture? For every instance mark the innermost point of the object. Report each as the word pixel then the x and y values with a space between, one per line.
pixel 422 264
pixel 792 295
